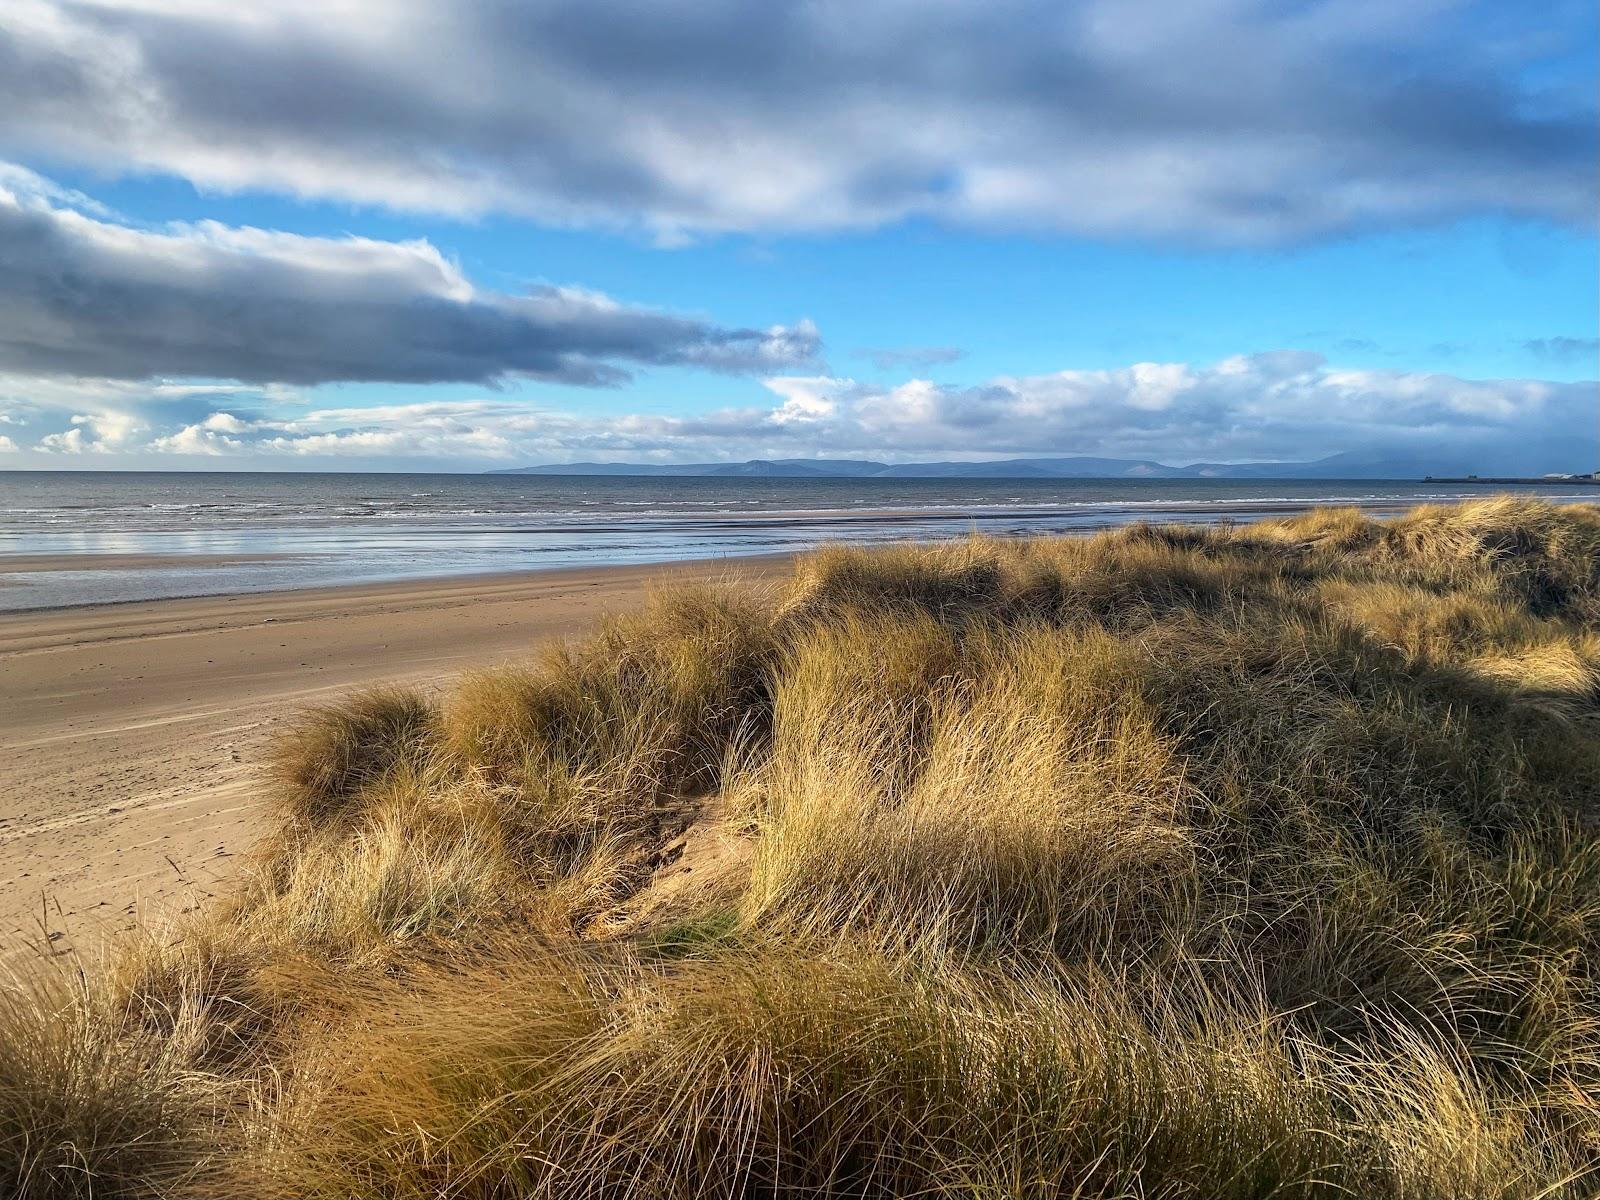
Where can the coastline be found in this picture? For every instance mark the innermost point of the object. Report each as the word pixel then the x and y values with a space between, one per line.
pixel 131 733
pixel 226 540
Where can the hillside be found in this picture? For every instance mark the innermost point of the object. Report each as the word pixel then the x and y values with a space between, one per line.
pixel 1257 861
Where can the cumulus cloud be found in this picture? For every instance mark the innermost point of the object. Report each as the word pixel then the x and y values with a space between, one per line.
pixel 84 295
pixel 1281 405
pixel 1234 121
pixel 103 432
pixel 1273 406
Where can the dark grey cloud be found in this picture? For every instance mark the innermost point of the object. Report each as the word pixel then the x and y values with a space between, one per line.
pixel 84 296
pixel 1231 121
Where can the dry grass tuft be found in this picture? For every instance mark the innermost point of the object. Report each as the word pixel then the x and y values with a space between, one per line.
pixel 747 1075
pixel 1014 793
pixel 92 1104
pixel 339 750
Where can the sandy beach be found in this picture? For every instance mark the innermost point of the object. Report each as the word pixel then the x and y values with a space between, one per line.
pixel 132 733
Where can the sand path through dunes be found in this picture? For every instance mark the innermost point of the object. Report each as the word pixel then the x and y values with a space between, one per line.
pixel 131 735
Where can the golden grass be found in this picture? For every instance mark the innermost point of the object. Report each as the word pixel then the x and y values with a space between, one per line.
pixel 1257 861
pixel 92 1102
pixel 1012 794
pixel 337 751
pixel 748 1074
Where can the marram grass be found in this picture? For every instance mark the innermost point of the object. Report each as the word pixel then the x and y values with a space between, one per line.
pixel 1247 862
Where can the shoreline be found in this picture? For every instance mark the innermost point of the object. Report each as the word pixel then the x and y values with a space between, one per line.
pixel 248 561
pixel 132 733
pixel 359 588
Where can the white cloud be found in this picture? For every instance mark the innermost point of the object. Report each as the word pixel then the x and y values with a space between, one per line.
pixel 222 422
pixel 7 446
pixel 104 432
pixel 806 399
pixel 1212 120
pixel 1282 405
pixel 68 441
pixel 199 439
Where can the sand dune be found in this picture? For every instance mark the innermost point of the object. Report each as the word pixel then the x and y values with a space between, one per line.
pixel 130 733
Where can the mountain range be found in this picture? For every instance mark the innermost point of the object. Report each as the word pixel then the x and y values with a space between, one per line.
pixel 1337 466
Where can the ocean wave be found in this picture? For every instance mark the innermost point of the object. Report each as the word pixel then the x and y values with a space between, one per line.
pixel 241 503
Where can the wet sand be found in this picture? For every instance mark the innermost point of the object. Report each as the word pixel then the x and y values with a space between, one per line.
pixel 131 735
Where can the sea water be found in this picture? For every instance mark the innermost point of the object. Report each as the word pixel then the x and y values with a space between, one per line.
pixel 70 538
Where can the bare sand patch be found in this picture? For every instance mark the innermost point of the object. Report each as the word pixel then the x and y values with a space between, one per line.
pixel 130 733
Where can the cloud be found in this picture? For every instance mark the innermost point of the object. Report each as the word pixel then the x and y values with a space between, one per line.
pixel 63 415
pixel 1272 406
pixel 1279 405
pixel 68 441
pixel 7 446
pixel 103 432
pixel 922 357
pixel 1218 121
pixel 83 295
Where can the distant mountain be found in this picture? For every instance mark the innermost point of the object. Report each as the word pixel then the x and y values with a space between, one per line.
pixel 1031 468
pixel 1338 466
pixel 789 468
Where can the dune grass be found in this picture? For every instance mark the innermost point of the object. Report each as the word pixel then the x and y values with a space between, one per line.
pixel 1257 861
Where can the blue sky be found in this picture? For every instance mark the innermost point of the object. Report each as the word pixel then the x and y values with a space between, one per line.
pixel 474 235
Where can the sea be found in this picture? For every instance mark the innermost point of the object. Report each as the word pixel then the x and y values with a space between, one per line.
pixel 73 538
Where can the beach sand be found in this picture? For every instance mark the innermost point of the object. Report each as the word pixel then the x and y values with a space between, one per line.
pixel 132 735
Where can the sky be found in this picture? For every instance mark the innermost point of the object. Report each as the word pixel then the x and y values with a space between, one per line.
pixel 477 234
